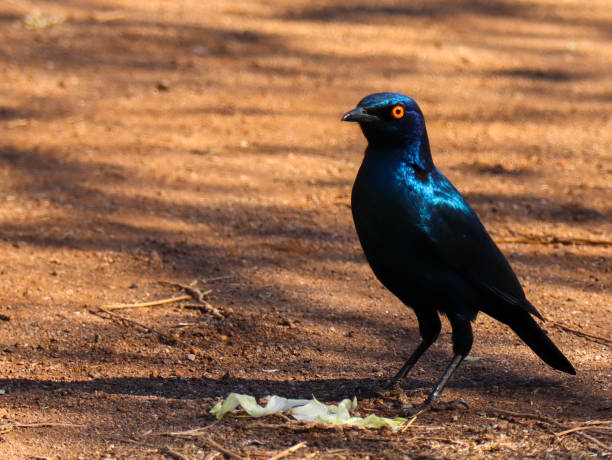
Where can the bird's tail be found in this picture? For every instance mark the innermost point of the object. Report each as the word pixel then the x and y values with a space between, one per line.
pixel 529 331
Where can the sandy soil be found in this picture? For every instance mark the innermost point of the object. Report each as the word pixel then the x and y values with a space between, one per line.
pixel 175 141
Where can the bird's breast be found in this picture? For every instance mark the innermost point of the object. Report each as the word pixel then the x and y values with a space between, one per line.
pixel 388 193
pixel 393 210
pixel 387 206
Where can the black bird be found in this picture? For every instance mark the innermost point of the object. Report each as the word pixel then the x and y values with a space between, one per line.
pixel 425 243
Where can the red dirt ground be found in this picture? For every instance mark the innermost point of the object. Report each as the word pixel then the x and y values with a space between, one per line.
pixel 185 140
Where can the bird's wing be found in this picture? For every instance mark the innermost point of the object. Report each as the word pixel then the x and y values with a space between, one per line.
pixel 461 241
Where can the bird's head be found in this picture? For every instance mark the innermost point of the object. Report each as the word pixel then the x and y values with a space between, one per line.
pixel 396 121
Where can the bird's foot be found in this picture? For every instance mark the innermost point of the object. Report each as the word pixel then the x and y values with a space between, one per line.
pixel 432 405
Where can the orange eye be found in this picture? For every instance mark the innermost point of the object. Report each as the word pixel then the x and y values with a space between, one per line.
pixel 397 112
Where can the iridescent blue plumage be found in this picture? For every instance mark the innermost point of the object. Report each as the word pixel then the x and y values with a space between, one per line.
pixel 384 100
pixel 425 243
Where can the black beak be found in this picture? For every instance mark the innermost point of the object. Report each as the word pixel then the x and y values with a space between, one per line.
pixel 359 114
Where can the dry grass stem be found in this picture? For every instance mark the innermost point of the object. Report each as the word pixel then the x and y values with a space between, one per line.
pixel 217 278
pixel 173 454
pixel 546 239
pixel 597 338
pixel 550 421
pixel 409 423
pixel 190 433
pixel 215 445
pixel 8 427
pixel 153 303
pixel 582 428
pixel 288 451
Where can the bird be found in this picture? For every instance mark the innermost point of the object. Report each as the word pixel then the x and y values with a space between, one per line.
pixel 427 246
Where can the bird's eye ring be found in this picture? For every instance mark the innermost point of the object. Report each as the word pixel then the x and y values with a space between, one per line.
pixel 397 112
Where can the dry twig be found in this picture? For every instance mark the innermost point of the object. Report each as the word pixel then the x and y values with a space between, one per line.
pixel 7 427
pixel 582 428
pixel 173 453
pixel 217 278
pixel 123 319
pixel 192 291
pixel 288 451
pixel 198 296
pixel 208 308
pixel 153 303
pixel 549 239
pixel 189 433
pixel 192 294
pixel 550 421
pixel 594 440
pixel 597 338
pixel 497 412
pixel 215 445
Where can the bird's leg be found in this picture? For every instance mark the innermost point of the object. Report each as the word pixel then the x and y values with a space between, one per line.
pixel 429 327
pixel 392 384
pixel 432 400
pixel 394 381
pixel 462 344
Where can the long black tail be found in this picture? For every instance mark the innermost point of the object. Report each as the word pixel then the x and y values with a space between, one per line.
pixel 529 331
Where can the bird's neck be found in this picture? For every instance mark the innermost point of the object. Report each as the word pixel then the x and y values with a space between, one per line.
pixel 414 152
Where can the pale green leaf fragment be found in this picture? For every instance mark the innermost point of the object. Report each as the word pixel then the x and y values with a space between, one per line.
pixel 306 410
pixel 249 404
pixel 315 410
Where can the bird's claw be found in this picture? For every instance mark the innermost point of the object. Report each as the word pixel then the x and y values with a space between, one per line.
pixel 430 405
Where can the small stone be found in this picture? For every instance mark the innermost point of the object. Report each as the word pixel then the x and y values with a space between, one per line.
pixel 190 356
pixel 162 85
